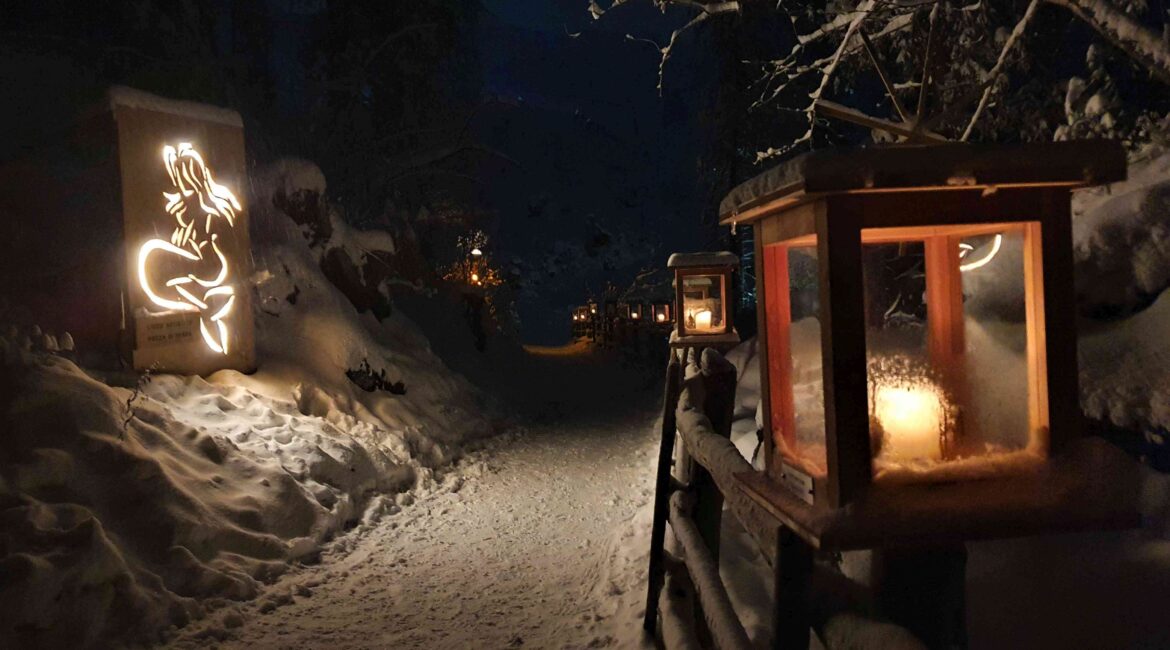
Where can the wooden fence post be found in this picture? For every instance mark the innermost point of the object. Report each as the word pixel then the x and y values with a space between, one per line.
pixel 719 378
pixel 662 492
pixel 924 590
pixel 790 606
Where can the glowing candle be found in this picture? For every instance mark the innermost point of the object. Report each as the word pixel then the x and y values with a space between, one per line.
pixel 911 418
pixel 703 320
pixel 661 317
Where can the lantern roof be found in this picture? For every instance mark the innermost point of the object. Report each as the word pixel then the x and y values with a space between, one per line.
pixel 931 166
pixel 692 260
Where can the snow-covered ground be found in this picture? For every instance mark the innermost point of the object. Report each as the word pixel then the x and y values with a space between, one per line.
pixel 133 506
pixel 538 539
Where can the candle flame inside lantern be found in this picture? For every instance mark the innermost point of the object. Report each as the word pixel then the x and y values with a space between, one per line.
pixel 661 317
pixel 911 417
pixel 703 320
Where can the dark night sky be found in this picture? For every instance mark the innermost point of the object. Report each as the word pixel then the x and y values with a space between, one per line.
pixel 596 145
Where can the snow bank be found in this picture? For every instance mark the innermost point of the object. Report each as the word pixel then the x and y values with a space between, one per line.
pixel 1122 237
pixel 747 417
pixel 132 508
pixel 1123 376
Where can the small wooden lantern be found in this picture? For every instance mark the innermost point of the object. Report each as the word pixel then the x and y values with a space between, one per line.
pixel 917 314
pixel 581 321
pixel 637 310
pixel 702 293
pixel 662 313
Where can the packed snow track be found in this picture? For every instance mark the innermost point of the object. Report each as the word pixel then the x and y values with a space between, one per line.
pixel 525 542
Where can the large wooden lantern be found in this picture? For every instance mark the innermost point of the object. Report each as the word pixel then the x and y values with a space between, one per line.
pixel 702 284
pixel 917 314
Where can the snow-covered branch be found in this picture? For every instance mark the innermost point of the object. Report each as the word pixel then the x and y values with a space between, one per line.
pixel 704 11
pixel 1144 46
pixel 708 8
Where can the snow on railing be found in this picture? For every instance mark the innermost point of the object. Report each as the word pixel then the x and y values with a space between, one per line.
pixel 692 503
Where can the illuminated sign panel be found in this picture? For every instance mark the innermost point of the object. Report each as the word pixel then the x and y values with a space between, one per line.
pixel 186 234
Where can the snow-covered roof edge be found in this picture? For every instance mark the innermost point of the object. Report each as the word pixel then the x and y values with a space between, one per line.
pixel 1079 162
pixel 134 98
pixel 688 260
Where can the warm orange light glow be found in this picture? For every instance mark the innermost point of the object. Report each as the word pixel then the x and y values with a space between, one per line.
pixel 194 245
pixel 661 317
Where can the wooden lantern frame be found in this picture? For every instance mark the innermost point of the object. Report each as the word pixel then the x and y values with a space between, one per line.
pixel 837 227
pixel 835 202
pixel 714 265
pixel 664 308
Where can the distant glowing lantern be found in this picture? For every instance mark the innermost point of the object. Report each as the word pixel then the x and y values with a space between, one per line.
pixel 661 311
pixel 702 287
pixel 476 252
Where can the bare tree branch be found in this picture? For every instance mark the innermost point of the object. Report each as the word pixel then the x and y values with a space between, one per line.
pixel 997 69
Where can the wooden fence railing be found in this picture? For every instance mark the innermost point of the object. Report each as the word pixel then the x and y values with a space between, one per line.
pixel 692 486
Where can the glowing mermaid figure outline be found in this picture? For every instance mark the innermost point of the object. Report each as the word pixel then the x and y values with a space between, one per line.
pixel 199 205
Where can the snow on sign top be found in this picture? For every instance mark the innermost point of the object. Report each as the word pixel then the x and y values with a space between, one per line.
pixel 1076 163
pixel 132 98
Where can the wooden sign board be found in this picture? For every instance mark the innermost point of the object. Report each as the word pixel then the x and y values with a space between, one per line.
pixel 185 230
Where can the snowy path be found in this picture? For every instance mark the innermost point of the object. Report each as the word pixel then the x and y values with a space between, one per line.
pixel 511 547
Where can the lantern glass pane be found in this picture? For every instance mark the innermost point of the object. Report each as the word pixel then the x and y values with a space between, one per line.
pixel 946 334
pixel 703 304
pixel 796 388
